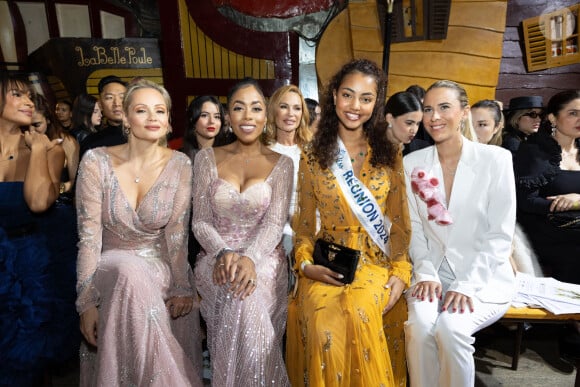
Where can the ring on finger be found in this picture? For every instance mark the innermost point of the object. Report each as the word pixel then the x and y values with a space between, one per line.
pixel 253 282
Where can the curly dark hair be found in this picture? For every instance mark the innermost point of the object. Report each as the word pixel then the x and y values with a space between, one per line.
pixel 325 146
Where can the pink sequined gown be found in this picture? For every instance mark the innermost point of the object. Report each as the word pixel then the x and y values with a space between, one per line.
pixel 244 337
pixel 130 262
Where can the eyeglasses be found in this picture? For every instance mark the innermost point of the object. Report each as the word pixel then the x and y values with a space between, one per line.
pixel 533 115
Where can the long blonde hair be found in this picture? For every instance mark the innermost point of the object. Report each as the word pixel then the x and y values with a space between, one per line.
pixel 303 133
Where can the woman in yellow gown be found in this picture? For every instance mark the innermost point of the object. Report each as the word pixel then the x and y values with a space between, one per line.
pixel 335 333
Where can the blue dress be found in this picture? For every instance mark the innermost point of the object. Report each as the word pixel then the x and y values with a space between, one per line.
pixel 38 320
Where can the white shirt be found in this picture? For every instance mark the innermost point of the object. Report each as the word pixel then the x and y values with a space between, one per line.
pixel 292 151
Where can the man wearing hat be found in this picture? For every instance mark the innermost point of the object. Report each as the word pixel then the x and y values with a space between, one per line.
pixel 523 117
pixel 111 92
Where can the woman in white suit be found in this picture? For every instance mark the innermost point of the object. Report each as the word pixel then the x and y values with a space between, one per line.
pixel 462 278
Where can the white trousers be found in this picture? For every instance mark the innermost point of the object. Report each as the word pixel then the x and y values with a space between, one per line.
pixel 440 344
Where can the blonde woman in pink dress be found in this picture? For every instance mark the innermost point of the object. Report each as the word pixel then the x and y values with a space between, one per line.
pixel 135 293
pixel 240 205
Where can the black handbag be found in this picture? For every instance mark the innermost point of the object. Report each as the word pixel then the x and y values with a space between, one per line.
pixel 340 259
pixel 565 219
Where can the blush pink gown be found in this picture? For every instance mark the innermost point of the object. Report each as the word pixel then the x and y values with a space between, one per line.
pixel 244 336
pixel 130 262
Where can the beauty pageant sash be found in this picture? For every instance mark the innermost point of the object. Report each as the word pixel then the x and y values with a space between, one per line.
pixel 361 201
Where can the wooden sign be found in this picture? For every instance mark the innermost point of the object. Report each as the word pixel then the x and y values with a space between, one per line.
pixel 72 61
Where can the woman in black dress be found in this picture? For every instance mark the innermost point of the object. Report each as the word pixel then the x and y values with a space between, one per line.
pixel 547 168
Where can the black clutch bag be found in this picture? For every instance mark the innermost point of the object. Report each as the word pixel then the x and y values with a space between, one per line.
pixel 337 258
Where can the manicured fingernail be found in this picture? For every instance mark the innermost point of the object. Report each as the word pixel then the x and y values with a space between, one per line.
pixel 461 311
pixel 340 276
pixel 444 308
pixel 455 309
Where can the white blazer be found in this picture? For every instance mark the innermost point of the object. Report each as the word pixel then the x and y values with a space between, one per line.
pixel 483 209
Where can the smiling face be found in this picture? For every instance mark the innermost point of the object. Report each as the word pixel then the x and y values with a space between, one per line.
pixel 484 124
pixel 402 129
pixel 355 100
pixel 288 112
pixel 18 106
pixel 443 113
pixel 147 115
pixel 209 123
pixel 247 112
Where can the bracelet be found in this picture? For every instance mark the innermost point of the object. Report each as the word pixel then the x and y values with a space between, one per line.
pixel 61 188
pixel 304 264
pixel 576 206
pixel 222 252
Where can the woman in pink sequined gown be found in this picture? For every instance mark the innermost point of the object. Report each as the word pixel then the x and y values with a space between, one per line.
pixel 240 204
pixel 135 294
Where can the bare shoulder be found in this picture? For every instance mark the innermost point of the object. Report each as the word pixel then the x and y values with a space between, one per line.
pixel 272 156
pixel 69 143
pixel 222 153
pixel 56 151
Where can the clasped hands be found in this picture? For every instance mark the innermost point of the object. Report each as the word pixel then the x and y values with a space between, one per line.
pixel 453 302
pixel 237 270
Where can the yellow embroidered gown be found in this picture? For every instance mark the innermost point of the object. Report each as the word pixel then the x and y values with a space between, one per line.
pixel 335 335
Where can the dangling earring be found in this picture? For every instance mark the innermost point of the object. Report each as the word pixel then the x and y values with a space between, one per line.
pixel 126 130
pixel 553 129
pixel 389 125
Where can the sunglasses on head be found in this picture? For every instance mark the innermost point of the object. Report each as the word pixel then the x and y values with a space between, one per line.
pixel 533 115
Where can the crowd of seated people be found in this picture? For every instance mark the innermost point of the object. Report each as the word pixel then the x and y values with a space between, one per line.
pixel 230 238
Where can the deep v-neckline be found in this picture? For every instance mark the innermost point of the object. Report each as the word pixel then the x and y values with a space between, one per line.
pixel 240 192
pixel 144 198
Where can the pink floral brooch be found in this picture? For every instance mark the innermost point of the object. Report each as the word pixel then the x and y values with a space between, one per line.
pixel 425 186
